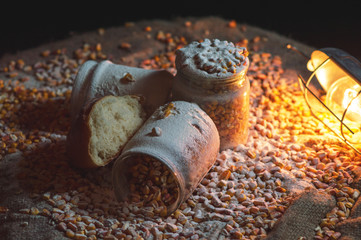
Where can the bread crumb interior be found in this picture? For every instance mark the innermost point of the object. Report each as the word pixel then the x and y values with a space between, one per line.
pixel 112 121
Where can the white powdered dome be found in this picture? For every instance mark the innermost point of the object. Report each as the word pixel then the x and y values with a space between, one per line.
pixel 215 58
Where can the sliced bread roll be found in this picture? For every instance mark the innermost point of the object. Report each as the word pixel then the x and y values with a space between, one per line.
pixel 102 129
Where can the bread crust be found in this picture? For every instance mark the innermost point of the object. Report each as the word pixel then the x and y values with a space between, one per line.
pixel 78 139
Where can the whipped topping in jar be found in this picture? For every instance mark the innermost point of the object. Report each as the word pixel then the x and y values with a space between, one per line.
pixel 212 74
pixel 220 59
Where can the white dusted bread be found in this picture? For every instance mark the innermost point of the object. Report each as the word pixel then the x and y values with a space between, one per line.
pixel 102 128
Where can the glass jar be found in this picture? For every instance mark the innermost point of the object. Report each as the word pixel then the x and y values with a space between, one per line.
pixel 223 95
pixel 183 142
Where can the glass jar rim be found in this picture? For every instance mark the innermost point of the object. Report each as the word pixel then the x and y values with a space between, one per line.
pixel 197 79
pixel 197 76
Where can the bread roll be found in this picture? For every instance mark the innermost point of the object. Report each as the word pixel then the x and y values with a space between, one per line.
pixel 102 128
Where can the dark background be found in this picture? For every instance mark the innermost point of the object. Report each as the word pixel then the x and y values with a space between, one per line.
pixel 316 23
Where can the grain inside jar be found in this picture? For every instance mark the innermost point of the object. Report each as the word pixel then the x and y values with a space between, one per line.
pixel 212 74
pixel 151 185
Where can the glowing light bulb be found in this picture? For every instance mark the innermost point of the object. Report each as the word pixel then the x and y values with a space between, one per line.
pixel 339 96
pixel 333 92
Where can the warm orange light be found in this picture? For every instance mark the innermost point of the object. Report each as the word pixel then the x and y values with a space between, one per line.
pixel 333 93
pixel 342 95
pixel 342 91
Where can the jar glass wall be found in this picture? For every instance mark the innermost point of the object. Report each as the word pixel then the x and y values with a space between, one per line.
pixel 227 104
pixel 212 74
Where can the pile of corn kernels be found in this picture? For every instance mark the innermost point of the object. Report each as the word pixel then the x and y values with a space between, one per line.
pixel 243 194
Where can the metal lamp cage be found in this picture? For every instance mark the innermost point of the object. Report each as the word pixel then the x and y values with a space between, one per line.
pixel 334 64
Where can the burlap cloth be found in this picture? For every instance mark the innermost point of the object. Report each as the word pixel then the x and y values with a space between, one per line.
pixel 299 220
pixel 303 216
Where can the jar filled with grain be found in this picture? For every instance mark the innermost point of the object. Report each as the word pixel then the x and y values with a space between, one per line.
pixel 167 158
pixel 212 74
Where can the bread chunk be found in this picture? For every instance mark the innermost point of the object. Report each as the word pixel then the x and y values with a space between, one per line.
pixel 103 128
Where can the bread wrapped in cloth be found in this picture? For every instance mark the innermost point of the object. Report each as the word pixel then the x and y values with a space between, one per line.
pixel 102 128
pixel 96 80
